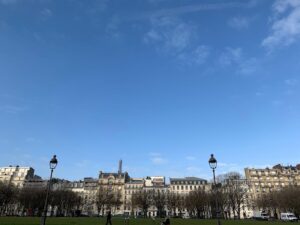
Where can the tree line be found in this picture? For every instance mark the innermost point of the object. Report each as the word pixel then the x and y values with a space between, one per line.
pixel 284 200
pixel 229 199
pixel 30 201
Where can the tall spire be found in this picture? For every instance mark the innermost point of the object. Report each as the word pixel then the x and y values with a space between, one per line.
pixel 120 167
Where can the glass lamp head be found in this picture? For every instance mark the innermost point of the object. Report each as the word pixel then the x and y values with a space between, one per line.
pixel 212 162
pixel 53 162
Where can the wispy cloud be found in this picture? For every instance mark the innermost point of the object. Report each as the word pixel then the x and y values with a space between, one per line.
pixel 230 56
pixel 291 82
pixel 191 158
pixel 235 57
pixel 193 170
pixel 112 28
pixel 285 28
pixel 193 8
pixel 157 158
pixel 7 2
pixel 31 140
pixel 171 33
pixel 177 38
pixel 12 109
pixel 46 13
pixel 239 22
pixel 97 6
pixel 230 167
pixel 83 163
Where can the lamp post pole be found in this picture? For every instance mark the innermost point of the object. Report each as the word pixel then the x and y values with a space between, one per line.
pixel 213 165
pixel 53 164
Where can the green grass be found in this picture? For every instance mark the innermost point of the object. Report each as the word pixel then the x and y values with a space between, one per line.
pixel 101 221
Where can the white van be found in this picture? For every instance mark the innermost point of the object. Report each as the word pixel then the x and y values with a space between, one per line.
pixel 260 215
pixel 288 217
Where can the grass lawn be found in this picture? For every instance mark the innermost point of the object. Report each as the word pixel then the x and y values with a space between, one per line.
pixel 115 221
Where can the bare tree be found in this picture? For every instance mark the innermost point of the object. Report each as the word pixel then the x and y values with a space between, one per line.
pixel 172 202
pixel 143 200
pixel 101 200
pixel 8 197
pixel 32 200
pixel 159 201
pixel 197 203
pixel 235 189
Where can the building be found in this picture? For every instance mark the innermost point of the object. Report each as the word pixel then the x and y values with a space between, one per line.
pixel 133 186
pixel 16 175
pixel 35 182
pixel 269 179
pixel 266 180
pixel 188 184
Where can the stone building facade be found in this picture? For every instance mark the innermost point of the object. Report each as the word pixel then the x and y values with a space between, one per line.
pixel 271 179
pixel 16 175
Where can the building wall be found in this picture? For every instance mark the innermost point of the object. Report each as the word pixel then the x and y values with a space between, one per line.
pixel 187 184
pixel 16 175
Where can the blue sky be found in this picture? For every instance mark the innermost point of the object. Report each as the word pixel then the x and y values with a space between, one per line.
pixel 161 84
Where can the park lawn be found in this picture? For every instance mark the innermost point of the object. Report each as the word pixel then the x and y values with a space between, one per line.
pixel 115 221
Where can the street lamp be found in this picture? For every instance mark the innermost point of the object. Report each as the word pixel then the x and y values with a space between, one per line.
pixel 213 165
pixel 52 165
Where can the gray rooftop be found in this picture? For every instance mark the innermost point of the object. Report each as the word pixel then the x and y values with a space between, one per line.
pixel 187 179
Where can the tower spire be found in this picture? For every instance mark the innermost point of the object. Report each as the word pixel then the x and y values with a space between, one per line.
pixel 120 167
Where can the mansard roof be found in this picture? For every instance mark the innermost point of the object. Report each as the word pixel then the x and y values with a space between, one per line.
pixel 187 179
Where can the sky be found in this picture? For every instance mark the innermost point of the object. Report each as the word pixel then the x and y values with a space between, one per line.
pixel 160 84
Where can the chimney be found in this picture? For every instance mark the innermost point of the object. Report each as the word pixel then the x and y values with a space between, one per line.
pixel 120 167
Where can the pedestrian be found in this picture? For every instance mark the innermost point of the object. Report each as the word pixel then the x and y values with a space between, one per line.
pixel 167 222
pixel 108 218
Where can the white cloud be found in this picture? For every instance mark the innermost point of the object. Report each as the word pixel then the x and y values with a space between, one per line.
pixel 285 28
pixel 157 159
pixel 230 56
pixel 112 28
pixel 7 2
pixel 83 163
pixel 277 103
pixel 194 8
pixel 12 109
pixel 178 39
pixel 172 34
pixel 197 56
pixel 97 6
pixel 191 158
pixel 239 22
pixel 291 82
pixel 31 139
pixel 248 66
pixel 235 57
pixel 46 13
pixel 193 170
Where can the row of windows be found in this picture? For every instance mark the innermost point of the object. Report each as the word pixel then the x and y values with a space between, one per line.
pixel 188 187
pixel 134 186
pixel 188 182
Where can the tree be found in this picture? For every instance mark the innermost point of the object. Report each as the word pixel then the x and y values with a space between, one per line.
pixel 143 200
pixel 172 202
pixel 101 200
pixel 65 201
pixel 235 188
pixel 8 196
pixel 197 203
pixel 159 201
pixel 32 200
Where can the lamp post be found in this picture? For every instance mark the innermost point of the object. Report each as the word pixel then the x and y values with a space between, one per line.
pixel 52 165
pixel 213 165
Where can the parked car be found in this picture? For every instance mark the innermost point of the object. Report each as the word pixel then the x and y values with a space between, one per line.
pixel 287 216
pixel 260 215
